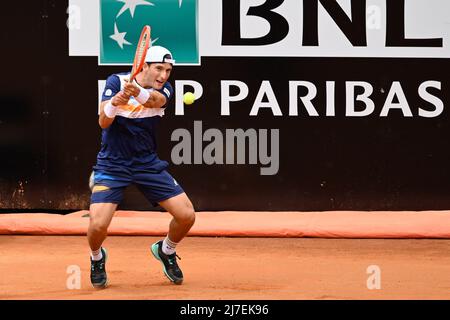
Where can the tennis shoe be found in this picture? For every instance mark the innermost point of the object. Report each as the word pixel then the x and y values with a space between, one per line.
pixel 99 278
pixel 169 262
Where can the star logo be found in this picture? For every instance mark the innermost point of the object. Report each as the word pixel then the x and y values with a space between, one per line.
pixel 132 4
pixel 119 37
pixel 153 41
pixel 123 20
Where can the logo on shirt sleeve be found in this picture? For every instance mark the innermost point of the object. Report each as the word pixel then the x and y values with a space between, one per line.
pixel 108 92
pixel 167 92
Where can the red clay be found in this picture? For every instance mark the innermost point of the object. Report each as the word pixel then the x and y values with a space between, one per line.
pixel 34 267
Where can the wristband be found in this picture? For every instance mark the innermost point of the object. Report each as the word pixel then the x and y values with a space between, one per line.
pixel 110 110
pixel 143 96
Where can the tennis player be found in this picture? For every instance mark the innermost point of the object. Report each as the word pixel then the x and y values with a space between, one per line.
pixel 129 115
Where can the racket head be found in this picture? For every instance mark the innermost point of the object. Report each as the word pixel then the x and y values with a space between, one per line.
pixel 141 51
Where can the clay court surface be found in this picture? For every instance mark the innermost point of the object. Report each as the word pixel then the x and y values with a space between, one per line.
pixel 35 267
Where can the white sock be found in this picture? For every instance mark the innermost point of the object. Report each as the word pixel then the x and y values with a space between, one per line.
pixel 97 254
pixel 168 246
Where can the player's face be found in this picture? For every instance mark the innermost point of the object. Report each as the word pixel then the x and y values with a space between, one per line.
pixel 158 74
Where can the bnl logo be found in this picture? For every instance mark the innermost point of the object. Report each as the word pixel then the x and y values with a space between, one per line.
pixel 173 23
pixel 354 27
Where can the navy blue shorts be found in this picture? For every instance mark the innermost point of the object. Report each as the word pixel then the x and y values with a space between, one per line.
pixel 155 185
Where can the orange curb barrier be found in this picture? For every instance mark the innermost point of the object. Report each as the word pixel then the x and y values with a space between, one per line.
pixel 330 224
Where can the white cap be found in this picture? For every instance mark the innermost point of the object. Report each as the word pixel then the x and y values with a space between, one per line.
pixel 159 54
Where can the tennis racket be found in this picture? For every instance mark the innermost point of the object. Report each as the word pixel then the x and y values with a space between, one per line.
pixel 141 51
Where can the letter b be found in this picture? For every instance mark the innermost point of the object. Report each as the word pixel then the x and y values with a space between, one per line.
pixel 231 23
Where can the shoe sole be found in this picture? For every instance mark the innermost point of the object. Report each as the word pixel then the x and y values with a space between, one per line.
pixel 103 285
pixel 154 250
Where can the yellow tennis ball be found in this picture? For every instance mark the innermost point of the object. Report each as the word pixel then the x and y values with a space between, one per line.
pixel 188 98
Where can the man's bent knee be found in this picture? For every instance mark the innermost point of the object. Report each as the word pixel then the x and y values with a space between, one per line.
pixel 187 217
pixel 98 223
pixel 98 226
pixel 100 216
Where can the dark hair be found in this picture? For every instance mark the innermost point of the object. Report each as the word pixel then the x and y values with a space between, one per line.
pixel 167 56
